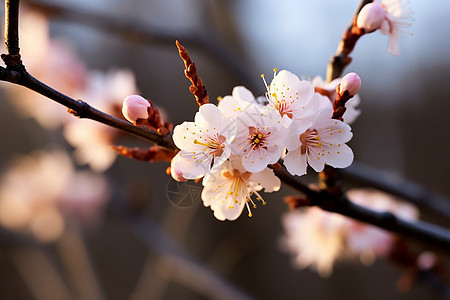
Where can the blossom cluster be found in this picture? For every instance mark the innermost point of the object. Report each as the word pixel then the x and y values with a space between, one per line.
pixel 232 145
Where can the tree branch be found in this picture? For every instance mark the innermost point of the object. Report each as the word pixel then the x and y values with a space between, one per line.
pixel 420 231
pixel 12 21
pixel 324 199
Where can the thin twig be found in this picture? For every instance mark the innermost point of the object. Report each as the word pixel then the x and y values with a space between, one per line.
pixel 197 88
pixel 351 35
pixel 81 109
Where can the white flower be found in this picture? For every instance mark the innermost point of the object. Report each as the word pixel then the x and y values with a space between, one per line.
pixel 351 113
pixel 289 95
pixel 314 237
pixel 229 189
pixel 397 16
pixel 320 144
pixel 203 142
pixel 260 137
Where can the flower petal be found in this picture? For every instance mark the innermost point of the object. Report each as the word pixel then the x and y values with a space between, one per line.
pixel 265 179
pixel 193 166
pixel 295 162
pixel 242 93
pixel 208 117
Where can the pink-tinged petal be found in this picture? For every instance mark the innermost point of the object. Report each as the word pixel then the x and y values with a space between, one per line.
pixel 315 159
pixel 217 195
pixel 230 213
pixel 175 170
pixel 295 162
pixel 385 27
pixel 230 106
pixel 228 129
pixel 184 136
pixel 242 93
pixel 371 17
pixel 393 42
pixel 219 160
pixel 300 94
pixel 292 139
pixel 338 155
pixel 193 166
pixel 255 160
pixel 265 179
pixel 351 114
pixel 286 121
pixel 208 117
pixel 351 83
pixel 334 131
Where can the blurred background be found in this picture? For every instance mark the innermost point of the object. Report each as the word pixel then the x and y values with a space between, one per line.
pixel 92 226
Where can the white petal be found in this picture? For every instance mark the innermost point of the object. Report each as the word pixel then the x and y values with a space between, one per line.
pixel 242 93
pixel 230 106
pixel 193 166
pixel 265 179
pixel 339 157
pixel 334 131
pixel 208 117
pixel 295 162
pixel 184 136
pixel 393 39
pixel 256 160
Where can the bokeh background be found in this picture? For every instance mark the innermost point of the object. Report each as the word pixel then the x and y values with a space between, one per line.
pixel 143 246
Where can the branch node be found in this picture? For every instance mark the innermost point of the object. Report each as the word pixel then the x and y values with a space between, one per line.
pixel 81 111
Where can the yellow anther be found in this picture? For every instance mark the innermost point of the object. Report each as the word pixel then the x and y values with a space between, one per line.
pixel 256 141
pixel 219 98
pixel 275 70
pixel 250 215
pixel 262 75
pixel 260 136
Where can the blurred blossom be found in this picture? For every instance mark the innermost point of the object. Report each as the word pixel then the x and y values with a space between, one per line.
pixel 34 188
pixel 53 62
pixel 318 238
pixel 104 91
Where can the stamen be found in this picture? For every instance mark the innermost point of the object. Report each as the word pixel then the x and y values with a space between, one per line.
pixel 200 143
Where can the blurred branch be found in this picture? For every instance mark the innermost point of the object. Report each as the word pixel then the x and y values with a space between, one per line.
pixel 136 31
pixel 421 231
pixel 77 263
pixel 184 269
pixel 397 186
pixel 39 274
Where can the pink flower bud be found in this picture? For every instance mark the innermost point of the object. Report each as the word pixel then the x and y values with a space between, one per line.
pixel 351 83
pixel 371 17
pixel 135 107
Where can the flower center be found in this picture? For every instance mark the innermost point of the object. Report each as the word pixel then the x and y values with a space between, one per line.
pixel 309 138
pixel 257 137
pixel 213 143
